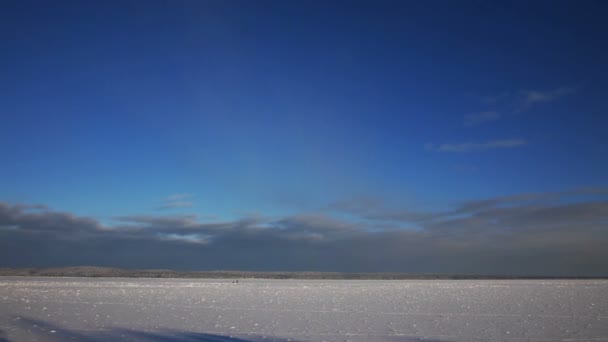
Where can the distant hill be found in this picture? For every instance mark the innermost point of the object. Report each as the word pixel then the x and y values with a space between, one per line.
pixel 90 271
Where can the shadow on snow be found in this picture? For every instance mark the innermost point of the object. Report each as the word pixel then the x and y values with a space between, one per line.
pixel 50 332
pixel 3 336
pixel 45 331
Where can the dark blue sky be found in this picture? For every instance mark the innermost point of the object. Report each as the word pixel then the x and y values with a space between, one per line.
pixel 215 112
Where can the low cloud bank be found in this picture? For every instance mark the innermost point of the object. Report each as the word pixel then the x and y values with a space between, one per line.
pixel 526 234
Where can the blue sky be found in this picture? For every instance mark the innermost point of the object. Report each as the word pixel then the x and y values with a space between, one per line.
pixel 232 109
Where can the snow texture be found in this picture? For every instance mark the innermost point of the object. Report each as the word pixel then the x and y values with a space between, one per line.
pixel 112 309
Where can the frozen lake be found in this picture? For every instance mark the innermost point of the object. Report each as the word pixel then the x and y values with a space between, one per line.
pixel 100 309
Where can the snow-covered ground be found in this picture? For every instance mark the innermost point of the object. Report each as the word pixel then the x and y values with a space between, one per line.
pixel 87 309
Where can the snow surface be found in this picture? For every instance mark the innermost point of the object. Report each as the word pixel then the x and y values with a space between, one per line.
pixel 100 309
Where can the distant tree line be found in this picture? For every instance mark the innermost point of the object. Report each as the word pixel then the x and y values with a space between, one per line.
pixel 89 271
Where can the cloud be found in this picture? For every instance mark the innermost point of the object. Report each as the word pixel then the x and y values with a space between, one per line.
pixel 531 97
pixel 477 205
pixel 176 204
pixel 518 101
pixel 179 197
pixel 177 201
pixel 476 147
pixel 160 222
pixel 475 119
pixel 560 233
pixel 530 198
pixel 493 99
pixel 316 227
pixel 44 220
pixel 466 168
pixel 376 210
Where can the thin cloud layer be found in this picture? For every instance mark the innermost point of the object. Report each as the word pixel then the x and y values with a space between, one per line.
pixel 177 201
pixel 531 97
pixel 475 119
pixel 476 147
pixel 518 101
pixel 545 233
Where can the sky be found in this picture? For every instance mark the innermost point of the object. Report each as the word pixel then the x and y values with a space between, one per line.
pixel 353 136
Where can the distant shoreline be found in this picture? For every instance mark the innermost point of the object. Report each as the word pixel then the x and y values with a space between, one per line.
pixel 97 272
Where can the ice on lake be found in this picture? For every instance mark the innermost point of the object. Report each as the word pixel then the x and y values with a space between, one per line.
pixel 113 309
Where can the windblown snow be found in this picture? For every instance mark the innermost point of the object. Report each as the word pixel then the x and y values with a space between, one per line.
pixel 87 309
